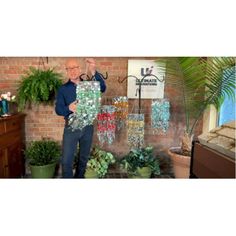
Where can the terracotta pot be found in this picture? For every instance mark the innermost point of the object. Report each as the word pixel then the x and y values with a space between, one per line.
pixel 181 164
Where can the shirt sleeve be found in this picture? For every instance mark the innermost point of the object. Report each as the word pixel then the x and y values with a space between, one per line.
pixel 101 80
pixel 61 108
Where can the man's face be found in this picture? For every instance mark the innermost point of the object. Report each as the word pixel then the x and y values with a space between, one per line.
pixel 73 70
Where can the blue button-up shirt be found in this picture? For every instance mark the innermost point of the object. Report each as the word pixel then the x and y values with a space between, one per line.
pixel 66 94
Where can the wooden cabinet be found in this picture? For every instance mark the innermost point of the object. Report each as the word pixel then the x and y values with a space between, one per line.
pixel 209 163
pixel 12 143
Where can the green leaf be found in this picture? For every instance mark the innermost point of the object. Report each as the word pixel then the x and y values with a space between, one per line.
pixel 43 152
pixel 38 86
pixel 100 161
pixel 138 158
pixel 200 82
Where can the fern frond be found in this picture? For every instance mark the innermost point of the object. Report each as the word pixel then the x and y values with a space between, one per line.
pixel 38 86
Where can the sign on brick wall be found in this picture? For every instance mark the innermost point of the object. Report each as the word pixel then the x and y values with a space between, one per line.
pixel 151 86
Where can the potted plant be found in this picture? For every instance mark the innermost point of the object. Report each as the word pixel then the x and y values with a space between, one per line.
pixel 43 156
pixel 140 163
pixel 98 164
pixel 202 82
pixel 38 86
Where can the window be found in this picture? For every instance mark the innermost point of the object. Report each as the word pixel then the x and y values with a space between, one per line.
pixel 227 111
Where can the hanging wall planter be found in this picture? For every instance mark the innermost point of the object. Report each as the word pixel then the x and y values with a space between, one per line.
pixel 38 86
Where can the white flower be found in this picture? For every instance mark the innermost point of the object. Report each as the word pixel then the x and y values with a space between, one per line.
pixel 4 96
pixel 7 96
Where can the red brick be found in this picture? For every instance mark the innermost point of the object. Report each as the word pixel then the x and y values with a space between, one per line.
pixel 42 121
pixel 4 86
pixel 106 63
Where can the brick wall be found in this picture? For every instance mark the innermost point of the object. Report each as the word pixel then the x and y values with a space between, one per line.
pixel 42 121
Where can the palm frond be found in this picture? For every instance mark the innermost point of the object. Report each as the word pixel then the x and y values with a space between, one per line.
pixel 201 82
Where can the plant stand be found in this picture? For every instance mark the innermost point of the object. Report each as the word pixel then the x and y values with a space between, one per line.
pixel 181 164
pixel 139 89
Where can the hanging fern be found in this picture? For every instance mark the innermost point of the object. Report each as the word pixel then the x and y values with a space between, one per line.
pixel 38 86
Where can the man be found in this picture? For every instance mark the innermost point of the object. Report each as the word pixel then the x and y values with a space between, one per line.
pixel 66 105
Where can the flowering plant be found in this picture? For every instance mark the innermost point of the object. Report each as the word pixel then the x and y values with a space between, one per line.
pixel 8 96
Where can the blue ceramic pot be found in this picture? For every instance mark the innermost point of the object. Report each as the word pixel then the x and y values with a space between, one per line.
pixel 5 107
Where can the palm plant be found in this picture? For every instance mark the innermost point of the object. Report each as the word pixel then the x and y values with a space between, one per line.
pixel 202 82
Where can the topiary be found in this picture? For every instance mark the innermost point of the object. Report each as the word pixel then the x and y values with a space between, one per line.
pixel 43 152
pixel 139 158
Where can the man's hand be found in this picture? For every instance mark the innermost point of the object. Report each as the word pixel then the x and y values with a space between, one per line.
pixel 91 65
pixel 72 106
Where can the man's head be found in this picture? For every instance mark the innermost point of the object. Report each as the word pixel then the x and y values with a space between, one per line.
pixel 73 69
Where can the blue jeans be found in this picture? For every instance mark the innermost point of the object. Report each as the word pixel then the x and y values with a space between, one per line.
pixel 70 141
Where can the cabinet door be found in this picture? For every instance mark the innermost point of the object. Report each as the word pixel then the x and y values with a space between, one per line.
pixel 3 163
pixel 15 162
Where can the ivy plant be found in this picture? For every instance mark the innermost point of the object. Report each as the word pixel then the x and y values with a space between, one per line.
pixel 138 158
pixel 99 161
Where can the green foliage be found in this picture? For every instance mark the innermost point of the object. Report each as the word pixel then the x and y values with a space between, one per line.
pixel 38 86
pixel 138 158
pixel 43 152
pixel 202 82
pixel 99 161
